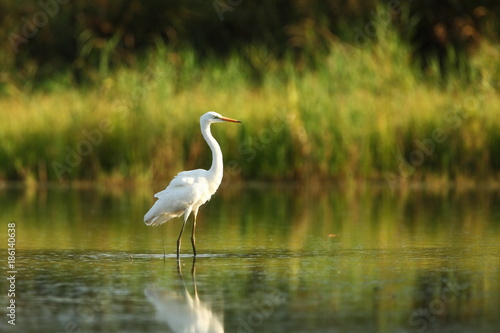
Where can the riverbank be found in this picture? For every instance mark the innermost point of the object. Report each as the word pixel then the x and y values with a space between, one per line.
pixel 361 114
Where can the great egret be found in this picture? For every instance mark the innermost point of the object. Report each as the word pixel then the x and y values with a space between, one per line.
pixel 190 189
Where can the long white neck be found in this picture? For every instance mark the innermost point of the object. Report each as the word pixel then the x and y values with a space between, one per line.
pixel 216 170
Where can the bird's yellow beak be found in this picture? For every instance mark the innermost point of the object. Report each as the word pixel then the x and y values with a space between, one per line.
pixel 229 119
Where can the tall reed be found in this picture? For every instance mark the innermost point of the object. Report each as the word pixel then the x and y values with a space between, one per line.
pixel 360 113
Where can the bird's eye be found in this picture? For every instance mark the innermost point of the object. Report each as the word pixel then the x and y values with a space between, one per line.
pixel 215 117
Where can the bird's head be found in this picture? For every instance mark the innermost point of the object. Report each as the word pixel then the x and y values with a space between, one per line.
pixel 214 117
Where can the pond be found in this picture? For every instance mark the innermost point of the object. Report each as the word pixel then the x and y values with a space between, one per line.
pixel 270 259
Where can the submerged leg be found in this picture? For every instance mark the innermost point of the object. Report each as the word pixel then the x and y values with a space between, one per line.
pixel 193 268
pixel 193 238
pixel 179 267
pixel 193 276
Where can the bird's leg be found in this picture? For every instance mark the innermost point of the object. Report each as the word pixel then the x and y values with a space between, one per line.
pixel 179 239
pixel 179 267
pixel 193 238
pixel 193 268
pixel 193 276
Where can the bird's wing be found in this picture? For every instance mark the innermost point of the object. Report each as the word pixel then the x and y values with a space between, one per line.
pixel 184 178
pixel 187 189
pixel 172 203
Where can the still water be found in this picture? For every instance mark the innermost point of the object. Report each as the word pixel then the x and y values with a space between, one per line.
pixel 285 259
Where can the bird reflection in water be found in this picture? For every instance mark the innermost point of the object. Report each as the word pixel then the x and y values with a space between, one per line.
pixel 182 312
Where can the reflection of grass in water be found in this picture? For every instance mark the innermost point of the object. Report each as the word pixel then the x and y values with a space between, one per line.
pixel 352 117
pixel 392 254
pixel 274 219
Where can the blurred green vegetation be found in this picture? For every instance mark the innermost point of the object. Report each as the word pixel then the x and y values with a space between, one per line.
pixel 47 38
pixel 113 91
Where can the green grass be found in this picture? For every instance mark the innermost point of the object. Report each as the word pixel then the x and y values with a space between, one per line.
pixel 356 116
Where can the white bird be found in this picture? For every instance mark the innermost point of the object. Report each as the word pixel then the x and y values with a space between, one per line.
pixel 190 189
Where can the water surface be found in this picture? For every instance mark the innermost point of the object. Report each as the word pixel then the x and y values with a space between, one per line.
pixel 270 259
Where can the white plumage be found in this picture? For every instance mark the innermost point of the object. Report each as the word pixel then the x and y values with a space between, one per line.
pixel 190 189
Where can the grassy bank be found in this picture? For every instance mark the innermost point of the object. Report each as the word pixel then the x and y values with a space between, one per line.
pixel 361 113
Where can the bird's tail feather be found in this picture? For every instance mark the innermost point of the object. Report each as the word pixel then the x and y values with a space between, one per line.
pixel 157 220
